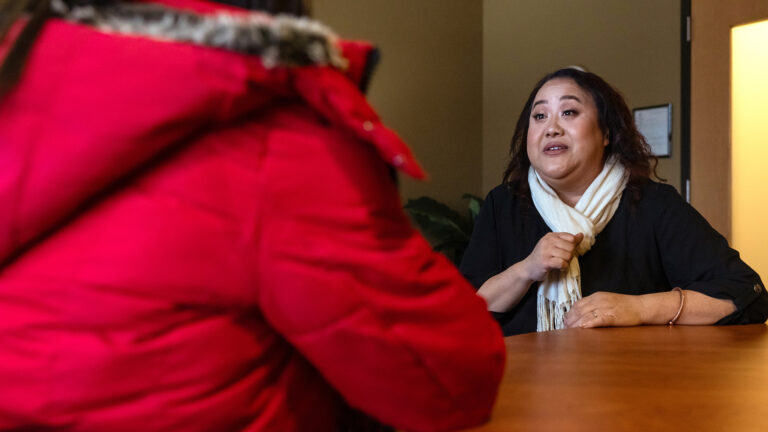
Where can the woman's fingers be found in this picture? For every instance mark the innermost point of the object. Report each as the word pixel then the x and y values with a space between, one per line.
pixel 589 318
pixel 557 263
pixel 604 309
pixel 578 238
pixel 579 319
pixel 561 248
pixel 583 313
pixel 595 318
pixel 567 241
pixel 573 239
pixel 554 251
pixel 575 314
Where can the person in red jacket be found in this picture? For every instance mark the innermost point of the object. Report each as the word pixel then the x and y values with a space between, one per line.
pixel 200 232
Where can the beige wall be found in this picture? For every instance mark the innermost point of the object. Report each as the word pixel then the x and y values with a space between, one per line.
pixel 634 45
pixel 428 84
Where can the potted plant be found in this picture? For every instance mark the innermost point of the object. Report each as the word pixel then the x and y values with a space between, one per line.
pixel 447 230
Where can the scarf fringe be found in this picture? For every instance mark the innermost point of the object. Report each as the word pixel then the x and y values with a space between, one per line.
pixel 551 315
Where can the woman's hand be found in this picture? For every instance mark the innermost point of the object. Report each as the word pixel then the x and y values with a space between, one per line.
pixel 604 309
pixel 553 252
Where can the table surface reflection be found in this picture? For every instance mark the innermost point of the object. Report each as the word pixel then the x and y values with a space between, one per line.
pixel 682 378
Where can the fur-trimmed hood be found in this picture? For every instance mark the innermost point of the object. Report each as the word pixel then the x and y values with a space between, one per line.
pixel 282 40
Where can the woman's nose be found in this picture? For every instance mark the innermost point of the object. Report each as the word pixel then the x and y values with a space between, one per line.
pixel 554 129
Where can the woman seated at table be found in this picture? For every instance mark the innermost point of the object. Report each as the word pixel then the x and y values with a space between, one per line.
pixel 578 235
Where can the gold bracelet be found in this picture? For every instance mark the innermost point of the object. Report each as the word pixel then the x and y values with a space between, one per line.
pixel 680 309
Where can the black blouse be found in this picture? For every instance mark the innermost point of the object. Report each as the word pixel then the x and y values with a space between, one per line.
pixel 657 243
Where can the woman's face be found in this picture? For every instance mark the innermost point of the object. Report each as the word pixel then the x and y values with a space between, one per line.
pixel 565 143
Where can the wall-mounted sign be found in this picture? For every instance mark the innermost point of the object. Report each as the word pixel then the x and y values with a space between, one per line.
pixel 655 123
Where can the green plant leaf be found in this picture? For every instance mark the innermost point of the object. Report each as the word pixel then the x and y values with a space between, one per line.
pixel 437 221
pixel 445 228
pixel 474 205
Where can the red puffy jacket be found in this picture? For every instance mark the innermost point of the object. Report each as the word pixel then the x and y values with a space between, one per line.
pixel 191 241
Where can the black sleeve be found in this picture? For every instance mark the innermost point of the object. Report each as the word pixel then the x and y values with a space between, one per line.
pixel 481 259
pixel 696 257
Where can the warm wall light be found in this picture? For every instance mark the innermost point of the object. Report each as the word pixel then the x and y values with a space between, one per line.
pixel 749 143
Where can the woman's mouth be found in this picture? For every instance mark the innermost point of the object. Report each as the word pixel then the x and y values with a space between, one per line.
pixel 555 148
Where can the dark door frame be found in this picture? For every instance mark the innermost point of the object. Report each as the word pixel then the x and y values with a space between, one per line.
pixel 685 99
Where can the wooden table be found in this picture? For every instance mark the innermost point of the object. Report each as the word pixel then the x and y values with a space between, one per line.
pixel 679 378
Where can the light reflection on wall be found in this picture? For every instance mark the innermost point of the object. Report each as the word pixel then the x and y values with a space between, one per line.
pixel 749 144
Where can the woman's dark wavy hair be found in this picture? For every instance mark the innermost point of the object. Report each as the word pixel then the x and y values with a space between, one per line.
pixel 614 119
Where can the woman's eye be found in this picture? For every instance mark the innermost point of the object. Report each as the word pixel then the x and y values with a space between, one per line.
pixel 538 116
pixel 570 112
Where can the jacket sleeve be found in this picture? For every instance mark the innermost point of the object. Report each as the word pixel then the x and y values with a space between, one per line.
pixel 356 290
pixel 696 257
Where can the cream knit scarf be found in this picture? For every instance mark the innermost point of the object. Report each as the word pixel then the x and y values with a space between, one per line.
pixel 561 289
